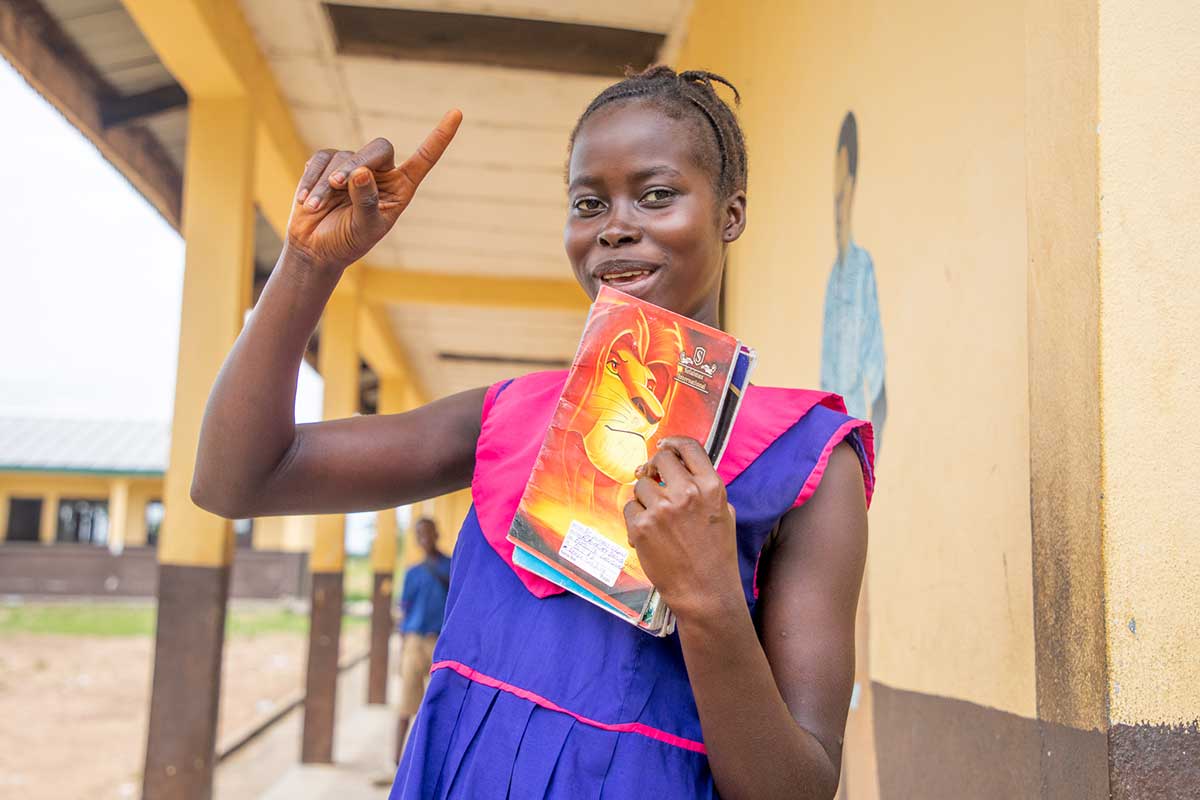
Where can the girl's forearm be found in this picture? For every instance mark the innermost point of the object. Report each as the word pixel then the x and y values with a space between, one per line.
pixel 249 424
pixel 755 748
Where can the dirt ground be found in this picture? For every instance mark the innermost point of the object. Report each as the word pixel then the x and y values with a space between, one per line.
pixel 73 708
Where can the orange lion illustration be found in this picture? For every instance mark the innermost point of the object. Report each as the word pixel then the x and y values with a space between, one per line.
pixel 620 394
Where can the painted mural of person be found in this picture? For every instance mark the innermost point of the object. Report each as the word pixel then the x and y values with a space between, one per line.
pixel 852 355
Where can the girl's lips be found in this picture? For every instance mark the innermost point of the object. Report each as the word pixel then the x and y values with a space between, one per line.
pixel 631 281
pixel 625 276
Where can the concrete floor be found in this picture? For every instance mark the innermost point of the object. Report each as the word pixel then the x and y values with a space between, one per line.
pixel 268 768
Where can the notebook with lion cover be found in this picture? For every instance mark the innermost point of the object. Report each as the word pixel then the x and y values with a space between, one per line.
pixel 641 373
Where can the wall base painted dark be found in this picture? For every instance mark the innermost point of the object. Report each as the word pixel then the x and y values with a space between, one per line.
pixel 1159 761
pixel 91 571
pixel 933 747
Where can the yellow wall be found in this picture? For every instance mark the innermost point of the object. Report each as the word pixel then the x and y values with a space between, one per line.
pixel 934 86
pixel 52 487
pixel 1150 355
pixel 291 534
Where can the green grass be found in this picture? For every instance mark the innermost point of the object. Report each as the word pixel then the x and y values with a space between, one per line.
pixel 112 619
pixel 97 620
pixel 359 580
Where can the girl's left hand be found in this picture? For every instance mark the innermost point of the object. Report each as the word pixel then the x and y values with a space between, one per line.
pixel 682 526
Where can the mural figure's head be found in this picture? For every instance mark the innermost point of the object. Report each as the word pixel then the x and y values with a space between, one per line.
pixel 427 536
pixel 657 190
pixel 845 175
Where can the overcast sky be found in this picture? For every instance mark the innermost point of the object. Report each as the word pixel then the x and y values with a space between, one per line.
pixel 90 278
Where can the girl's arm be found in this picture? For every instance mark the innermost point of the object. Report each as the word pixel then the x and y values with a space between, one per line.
pixel 772 703
pixel 252 458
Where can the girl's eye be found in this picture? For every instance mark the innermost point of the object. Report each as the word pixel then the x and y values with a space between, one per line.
pixel 655 196
pixel 588 205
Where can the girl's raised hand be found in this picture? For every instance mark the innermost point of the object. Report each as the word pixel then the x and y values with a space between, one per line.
pixel 346 202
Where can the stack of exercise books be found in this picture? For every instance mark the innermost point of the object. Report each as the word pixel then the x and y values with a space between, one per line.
pixel 641 373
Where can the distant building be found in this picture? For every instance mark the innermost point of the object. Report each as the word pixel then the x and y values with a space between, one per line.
pixel 85 486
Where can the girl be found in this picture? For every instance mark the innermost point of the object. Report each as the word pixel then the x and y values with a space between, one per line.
pixel 534 692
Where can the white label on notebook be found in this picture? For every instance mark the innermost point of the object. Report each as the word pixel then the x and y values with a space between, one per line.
pixel 593 553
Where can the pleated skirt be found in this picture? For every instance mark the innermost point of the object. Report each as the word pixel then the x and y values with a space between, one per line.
pixel 473 741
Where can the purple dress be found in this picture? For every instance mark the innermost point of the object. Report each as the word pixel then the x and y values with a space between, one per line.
pixel 536 693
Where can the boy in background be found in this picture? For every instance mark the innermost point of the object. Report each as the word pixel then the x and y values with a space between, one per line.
pixel 422 606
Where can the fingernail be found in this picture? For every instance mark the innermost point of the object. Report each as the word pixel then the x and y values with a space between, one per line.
pixel 337 177
pixel 313 203
pixel 361 178
pixel 303 193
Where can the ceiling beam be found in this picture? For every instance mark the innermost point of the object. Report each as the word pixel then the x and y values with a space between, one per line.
pixel 122 110
pixel 209 48
pixel 35 44
pixel 381 285
pixel 520 43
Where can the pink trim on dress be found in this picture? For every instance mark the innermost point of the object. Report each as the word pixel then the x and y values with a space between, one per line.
pixel 489 399
pixel 866 433
pixel 619 727
pixel 504 458
pixel 767 413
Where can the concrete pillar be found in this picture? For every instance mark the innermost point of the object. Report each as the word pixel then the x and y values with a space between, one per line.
pixel 48 524
pixel 118 514
pixel 339 366
pixel 135 528
pixel 4 501
pixel 394 398
pixel 1064 394
pixel 449 512
pixel 383 567
pixel 1111 118
pixel 1149 352
pixel 195 547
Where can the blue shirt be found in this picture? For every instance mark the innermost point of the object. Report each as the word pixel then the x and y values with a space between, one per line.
pixel 423 599
pixel 852 360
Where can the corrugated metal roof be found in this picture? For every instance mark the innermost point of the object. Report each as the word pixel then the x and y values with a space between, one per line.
pixel 109 446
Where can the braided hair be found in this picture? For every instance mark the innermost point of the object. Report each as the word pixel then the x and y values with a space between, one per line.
pixel 688 94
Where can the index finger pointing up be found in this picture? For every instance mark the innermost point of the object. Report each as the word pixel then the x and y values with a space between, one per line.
pixel 417 166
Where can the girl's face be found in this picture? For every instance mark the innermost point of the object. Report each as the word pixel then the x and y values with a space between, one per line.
pixel 643 216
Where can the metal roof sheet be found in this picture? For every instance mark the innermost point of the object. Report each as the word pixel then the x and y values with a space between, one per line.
pixel 76 445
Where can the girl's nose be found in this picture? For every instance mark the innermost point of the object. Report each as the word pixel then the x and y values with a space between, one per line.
pixel 618 232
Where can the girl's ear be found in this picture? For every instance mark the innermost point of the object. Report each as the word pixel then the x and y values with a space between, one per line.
pixel 733 217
